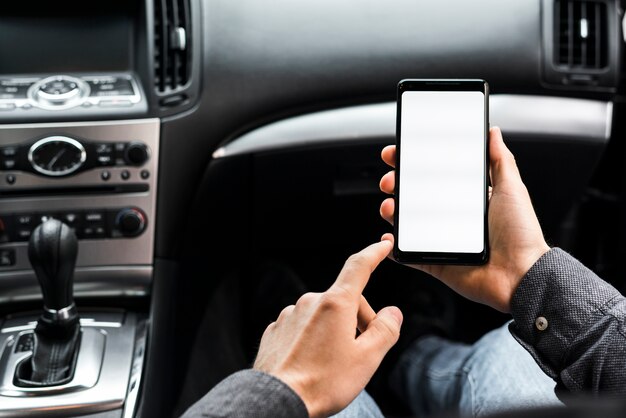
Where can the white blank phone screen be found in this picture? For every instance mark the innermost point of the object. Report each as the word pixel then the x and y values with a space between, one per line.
pixel 442 172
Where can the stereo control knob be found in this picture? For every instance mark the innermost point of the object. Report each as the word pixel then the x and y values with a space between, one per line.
pixel 136 153
pixel 59 92
pixel 130 222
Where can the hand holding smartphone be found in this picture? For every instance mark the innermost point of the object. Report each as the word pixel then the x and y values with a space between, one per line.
pixel 441 172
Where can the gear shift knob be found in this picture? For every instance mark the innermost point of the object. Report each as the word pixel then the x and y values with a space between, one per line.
pixel 52 253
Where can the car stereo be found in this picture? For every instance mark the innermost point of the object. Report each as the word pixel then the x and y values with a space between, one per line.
pixel 24 97
pixel 98 177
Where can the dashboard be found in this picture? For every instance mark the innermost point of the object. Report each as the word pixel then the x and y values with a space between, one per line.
pixel 155 128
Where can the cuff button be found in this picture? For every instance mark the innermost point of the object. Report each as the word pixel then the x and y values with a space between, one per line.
pixel 541 323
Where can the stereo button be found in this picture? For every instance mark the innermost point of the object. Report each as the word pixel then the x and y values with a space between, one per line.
pixel 94 216
pixel 8 164
pixel 7 258
pixel 116 103
pixel 58 87
pixel 23 234
pixel 104 148
pixel 105 160
pixel 13 92
pixel 9 151
pixel 24 220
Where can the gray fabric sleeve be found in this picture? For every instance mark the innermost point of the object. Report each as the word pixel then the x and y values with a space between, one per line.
pixel 249 394
pixel 583 346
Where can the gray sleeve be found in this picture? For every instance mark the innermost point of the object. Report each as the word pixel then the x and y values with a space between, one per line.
pixel 249 394
pixel 582 342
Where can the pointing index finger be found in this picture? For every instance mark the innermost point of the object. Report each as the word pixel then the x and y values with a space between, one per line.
pixel 357 270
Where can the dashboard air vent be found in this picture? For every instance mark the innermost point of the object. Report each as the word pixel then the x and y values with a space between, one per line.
pixel 172 44
pixel 580 29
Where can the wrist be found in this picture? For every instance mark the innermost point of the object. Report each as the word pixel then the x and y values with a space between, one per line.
pixel 525 263
pixel 528 260
pixel 300 386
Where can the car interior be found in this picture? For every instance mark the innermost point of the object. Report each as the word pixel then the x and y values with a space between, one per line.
pixel 174 172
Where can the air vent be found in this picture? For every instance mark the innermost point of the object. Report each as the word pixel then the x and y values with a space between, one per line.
pixel 172 44
pixel 580 34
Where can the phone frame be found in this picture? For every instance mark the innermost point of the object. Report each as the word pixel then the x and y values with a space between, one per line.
pixel 411 257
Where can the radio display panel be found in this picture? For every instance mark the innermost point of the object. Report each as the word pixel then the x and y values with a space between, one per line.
pixel 67 36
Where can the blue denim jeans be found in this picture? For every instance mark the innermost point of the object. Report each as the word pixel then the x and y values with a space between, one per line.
pixel 362 407
pixel 436 375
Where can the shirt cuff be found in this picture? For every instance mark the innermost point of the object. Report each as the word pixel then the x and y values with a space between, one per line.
pixel 250 393
pixel 555 301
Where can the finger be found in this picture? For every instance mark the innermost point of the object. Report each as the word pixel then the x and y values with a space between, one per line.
pixel 387 237
pixel 365 315
pixel 269 329
pixel 356 272
pixel 503 166
pixel 428 268
pixel 388 182
pixel 386 209
pixel 307 299
pixel 381 334
pixel 389 155
pixel 287 310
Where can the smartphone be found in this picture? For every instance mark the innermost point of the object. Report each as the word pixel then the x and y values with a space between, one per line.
pixel 441 192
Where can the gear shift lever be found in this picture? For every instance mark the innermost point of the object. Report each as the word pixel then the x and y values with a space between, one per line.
pixel 52 252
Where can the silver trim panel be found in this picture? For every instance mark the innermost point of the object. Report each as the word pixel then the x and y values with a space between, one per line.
pixel 136 370
pixel 537 116
pixel 87 369
pixel 111 281
pixel 108 393
pixel 101 319
pixel 120 256
pixel 84 322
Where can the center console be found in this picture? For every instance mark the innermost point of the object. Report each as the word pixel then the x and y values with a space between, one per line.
pixel 82 94
pixel 100 179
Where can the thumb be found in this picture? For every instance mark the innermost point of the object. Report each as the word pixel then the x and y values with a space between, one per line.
pixel 381 334
pixel 503 165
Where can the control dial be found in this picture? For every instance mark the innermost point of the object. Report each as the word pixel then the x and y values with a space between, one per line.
pixel 57 156
pixel 59 92
pixel 130 222
pixel 136 153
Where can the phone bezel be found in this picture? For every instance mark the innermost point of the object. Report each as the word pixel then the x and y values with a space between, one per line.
pixel 410 257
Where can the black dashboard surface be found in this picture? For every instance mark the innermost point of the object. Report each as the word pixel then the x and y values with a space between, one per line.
pixel 263 61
